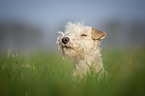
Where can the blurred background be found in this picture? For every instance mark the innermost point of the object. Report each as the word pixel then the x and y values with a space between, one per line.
pixel 26 25
pixel 29 25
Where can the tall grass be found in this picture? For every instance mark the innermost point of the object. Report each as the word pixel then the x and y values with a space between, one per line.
pixel 47 74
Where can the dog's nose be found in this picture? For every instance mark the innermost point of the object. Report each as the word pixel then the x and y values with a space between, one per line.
pixel 65 40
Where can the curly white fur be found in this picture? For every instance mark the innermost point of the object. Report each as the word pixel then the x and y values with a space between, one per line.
pixel 82 48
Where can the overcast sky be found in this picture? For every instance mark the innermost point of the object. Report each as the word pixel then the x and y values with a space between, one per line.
pixel 52 12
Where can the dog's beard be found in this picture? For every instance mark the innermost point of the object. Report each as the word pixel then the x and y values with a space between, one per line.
pixel 67 50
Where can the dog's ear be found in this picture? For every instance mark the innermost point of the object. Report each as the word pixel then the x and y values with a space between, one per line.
pixel 97 35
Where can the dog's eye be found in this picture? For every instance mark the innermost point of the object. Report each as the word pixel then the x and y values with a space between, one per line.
pixel 83 35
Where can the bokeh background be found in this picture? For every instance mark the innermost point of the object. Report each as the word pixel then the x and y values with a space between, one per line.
pixel 30 64
pixel 26 25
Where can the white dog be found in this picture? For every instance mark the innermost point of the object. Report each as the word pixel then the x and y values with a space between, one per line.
pixel 82 44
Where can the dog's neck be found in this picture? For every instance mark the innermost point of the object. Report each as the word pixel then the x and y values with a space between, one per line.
pixel 89 56
pixel 92 58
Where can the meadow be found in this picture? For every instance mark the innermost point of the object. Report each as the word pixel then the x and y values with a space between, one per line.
pixel 47 74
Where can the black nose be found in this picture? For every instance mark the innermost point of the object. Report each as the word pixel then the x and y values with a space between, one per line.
pixel 65 40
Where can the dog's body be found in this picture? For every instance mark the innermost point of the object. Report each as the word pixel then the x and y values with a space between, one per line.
pixel 82 44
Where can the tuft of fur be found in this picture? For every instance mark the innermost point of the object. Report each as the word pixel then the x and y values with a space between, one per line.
pixel 81 48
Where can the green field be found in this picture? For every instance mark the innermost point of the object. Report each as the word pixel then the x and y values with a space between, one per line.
pixel 47 74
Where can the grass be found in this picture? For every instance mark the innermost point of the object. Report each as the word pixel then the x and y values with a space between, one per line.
pixel 47 74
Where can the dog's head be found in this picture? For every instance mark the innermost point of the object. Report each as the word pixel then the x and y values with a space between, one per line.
pixel 78 40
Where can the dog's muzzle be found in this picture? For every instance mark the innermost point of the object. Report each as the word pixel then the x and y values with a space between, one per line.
pixel 65 40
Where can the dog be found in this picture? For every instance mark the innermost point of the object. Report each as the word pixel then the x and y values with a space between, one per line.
pixel 81 43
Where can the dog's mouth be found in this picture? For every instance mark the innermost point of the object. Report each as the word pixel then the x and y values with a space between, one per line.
pixel 67 46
